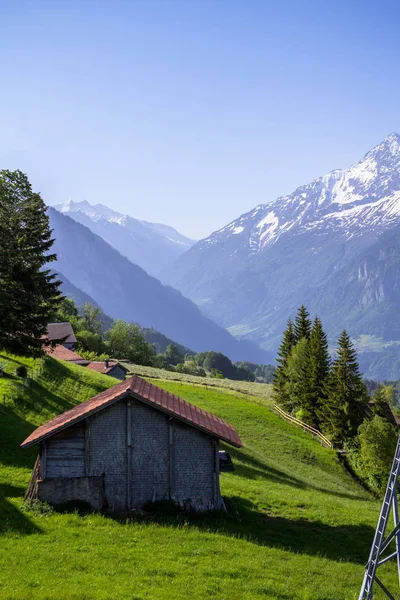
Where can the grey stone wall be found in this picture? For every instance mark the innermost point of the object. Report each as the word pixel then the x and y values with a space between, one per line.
pixel 67 489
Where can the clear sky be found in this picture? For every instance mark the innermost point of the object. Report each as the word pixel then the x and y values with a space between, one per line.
pixel 192 112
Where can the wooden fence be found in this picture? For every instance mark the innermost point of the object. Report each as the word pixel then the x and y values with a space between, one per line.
pixel 304 426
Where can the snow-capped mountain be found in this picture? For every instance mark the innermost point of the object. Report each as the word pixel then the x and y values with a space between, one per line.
pixel 252 274
pixel 361 200
pixel 153 246
pixel 92 270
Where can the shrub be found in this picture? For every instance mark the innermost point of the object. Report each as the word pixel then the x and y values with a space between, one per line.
pixel 371 453
pixel 21 371
pixel 190 369
pixel 216 374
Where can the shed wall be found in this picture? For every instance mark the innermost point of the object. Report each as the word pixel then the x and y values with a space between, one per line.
pixel 150 467
pixel 194 467
pixel 117 372
pixel 107 453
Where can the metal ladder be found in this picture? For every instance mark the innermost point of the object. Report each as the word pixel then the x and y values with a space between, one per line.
pixel 380 543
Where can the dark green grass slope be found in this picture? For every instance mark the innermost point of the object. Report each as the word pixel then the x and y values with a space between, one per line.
pixel 300 527
pixel 53 387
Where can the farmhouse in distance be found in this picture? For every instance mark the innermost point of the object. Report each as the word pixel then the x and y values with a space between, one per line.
pixel 111 368
pixel 61 333
pixel 132 444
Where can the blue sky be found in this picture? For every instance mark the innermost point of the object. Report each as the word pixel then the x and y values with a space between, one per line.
pixel 193 112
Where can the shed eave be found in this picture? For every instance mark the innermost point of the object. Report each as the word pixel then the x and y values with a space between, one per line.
pixel 88 414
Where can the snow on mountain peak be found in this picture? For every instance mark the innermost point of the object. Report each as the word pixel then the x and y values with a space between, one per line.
pixel 99 213
pixel 361 200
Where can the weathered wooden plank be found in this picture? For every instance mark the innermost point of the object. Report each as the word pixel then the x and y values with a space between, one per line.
pixel 65 455
pixel 65 474
pixel 65 470
pixel 129 452
pixel 87 447
pixel 70 432
pixel 31 492
pixel 170 458
pixel 71 461
pixel 43 459
pixel 62 445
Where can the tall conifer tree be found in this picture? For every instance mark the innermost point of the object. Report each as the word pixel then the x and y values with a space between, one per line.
pixel 297 382
pixel 316 374
pixel 281 376
pixel 346 394
pixel 28 291
pixel 302 324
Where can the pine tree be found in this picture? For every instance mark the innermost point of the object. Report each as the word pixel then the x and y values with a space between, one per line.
pixel 316 374
pixel 346 394
pixel 281 376
pixel 380 406
pixel 28 291
pixel 297 382
pixel 302 324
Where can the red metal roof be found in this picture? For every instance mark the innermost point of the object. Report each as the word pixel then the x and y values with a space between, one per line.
pixel 149 394
pixel 62 353
pixel 101 368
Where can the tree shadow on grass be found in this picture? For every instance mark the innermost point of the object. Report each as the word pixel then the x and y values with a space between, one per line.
pixel 350 543
pixel 6 358
pixel 13 431
pixel 11 518
pixel 251 468
pixel 60 371
pixel 343 542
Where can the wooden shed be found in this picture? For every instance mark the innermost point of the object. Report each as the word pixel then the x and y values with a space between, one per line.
pixel 108 367
pixel 61 333
pixel 132 444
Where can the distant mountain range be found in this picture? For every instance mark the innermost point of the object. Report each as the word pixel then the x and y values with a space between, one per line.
pixel 152 246
pixel 90 267
pixel 159 341
pixel 333 244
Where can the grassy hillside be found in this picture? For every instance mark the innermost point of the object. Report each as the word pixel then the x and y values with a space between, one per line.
pixel 263 390
pixel 299 526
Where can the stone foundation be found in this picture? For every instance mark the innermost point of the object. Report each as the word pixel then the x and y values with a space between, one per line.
pixel 61 490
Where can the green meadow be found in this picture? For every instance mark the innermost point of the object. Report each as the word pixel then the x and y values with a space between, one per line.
pixel 298 526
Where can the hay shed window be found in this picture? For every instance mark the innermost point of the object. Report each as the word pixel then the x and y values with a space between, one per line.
pixel 63 454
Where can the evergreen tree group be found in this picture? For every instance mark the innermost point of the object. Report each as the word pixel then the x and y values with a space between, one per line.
pixel 328 395
pixel 28 290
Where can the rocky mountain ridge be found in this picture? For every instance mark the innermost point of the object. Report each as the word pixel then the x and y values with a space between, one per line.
pixel 153 246
pixel 314 246
pixel 350 202
pixel 124 290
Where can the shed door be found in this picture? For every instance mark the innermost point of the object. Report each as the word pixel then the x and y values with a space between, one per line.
pixel 65 453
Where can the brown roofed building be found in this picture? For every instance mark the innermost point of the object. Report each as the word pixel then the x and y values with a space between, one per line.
pixel 109 367
pixel 62 353
pixel 61 333
pixel 132 444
